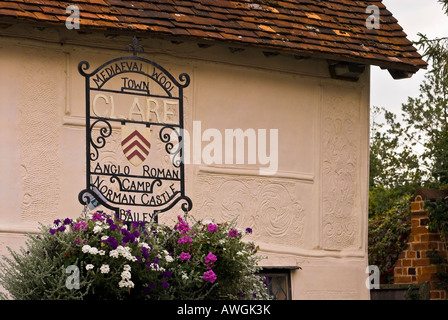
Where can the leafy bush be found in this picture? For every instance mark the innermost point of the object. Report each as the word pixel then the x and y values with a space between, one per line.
pixel 101 257
pixel 438 217
pixel 388 237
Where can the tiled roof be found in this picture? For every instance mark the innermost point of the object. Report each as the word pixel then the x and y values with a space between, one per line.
pixel 332 29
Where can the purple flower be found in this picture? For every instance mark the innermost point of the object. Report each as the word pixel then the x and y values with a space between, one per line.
pixel 67 221
pixel 210 258
pixel 148 289
pixel 145 252
pixel 137 224
pixel 113 227
pixel 113 242
pixel 209 276
pixel 129 237
pixel 52 231
pixel 185 256
pixel 167 274
pixel 165 284
pixel 233 233
pixel 212 227
pixel 185 239
pixel 248 230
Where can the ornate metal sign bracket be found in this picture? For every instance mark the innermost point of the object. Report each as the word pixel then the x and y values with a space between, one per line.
pixel 134 145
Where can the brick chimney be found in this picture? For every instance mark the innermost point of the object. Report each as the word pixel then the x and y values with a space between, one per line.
pixel 413 265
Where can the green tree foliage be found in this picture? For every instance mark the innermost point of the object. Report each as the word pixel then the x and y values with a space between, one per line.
pixel 408 151
pixel 411 149
pixel 388 235
pixel 393 164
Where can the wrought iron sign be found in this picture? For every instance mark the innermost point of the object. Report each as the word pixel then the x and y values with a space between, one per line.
pixel 134 146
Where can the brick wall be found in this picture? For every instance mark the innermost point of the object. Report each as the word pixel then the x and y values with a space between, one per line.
pixel 413 265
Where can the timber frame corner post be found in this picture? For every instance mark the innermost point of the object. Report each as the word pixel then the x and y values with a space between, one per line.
pixel 121 173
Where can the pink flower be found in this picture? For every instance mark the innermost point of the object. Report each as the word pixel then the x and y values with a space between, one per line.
pixel 185 256
pixel 185 239
pixel 209 276
pixel 97 216
pixel 182 226
pixel 233 233
pixel 80 225
pixel 212 227
pixel 210 258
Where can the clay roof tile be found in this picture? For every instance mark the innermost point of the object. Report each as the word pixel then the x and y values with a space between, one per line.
pixel 335 29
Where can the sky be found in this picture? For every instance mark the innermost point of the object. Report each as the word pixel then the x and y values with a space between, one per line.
pixel 414 16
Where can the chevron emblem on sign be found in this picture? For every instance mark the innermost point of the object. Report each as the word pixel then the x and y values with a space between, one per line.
pixel 135 143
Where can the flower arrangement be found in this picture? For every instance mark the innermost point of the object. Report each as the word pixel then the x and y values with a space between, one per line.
pixel 113 259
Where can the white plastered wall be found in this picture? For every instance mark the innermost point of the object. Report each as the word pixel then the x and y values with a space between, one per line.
pixel 312 213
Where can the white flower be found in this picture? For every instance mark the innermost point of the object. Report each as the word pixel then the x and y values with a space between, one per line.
pixel 127 267
pixel 123 283
pixel 89 266
pixel 168 258
pixel 125 275
pixel 97 229
pixel 122 249
pixel 105 268
pixel 93 250
pixel 144 244
pixel 114 253
pixel 184 276
pixel 104 238
pixel 126 284
pixel 124 252
pixel 101 252
pixel 85 248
